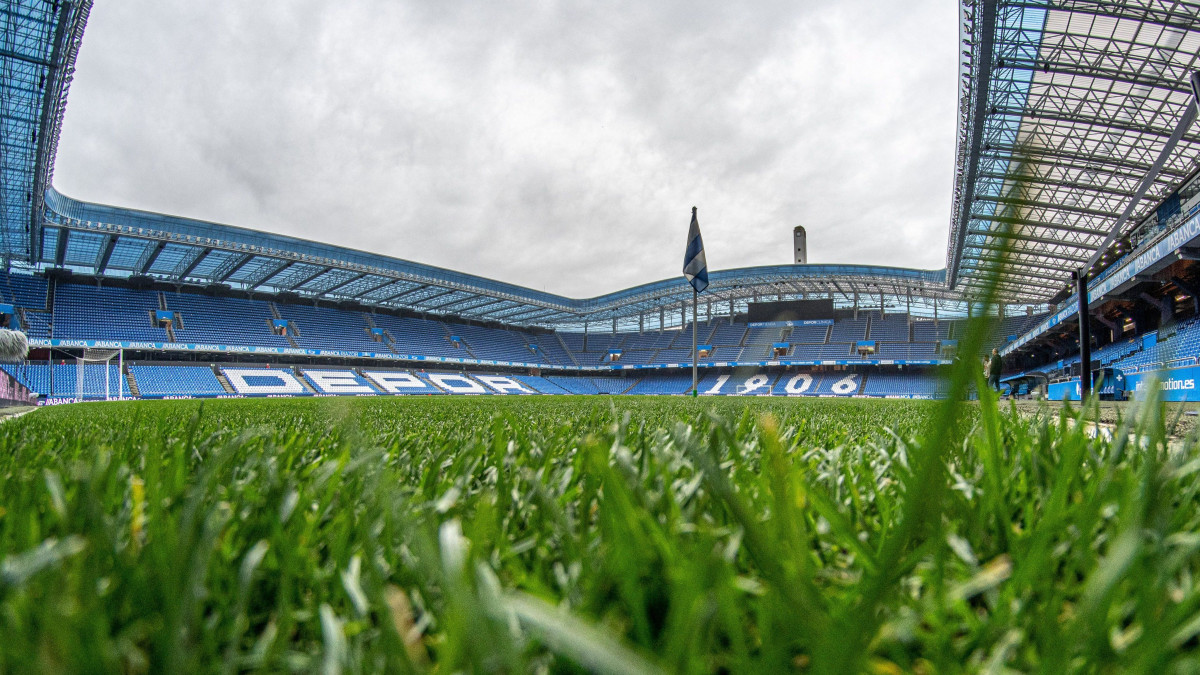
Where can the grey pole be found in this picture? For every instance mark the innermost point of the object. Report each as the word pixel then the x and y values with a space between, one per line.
pixel 694 356
pixel 1085 336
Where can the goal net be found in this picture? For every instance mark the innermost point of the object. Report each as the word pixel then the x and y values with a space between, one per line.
pixel 98 377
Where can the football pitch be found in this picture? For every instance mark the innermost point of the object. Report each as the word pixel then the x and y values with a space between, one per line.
pixel 605 534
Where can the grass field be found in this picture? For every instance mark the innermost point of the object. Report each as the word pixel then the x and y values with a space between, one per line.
pixel 610 534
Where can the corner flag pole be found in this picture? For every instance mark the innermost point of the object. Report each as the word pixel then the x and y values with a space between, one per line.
pixel 695 270
pixel 695 357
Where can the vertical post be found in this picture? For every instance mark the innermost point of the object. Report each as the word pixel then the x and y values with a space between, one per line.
pixel 695 358
pixel 1085 336
pixel 121 373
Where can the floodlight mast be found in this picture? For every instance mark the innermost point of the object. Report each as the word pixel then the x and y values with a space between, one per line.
pixel 1081 276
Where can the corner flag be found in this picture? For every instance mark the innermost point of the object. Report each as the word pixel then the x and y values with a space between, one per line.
pixel 695 269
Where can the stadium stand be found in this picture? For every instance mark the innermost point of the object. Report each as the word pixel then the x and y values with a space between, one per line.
pixel 82 272
pixel 36 376
pixel 419 336
pixel 574 385
pixel 400 382
pixel 889 328
pixel 219 320
pixel 338 382
pixel 160 381
pixel 923 385
pixel 677 383
pixel 849 330
pixel 106 313
pixel 614 385
pixel 541 385
pixel 454 383
pixel 327 328
pixel 808 335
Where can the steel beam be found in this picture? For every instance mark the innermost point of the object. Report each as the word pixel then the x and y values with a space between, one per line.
pixel 106 252
pixel 1185 121
pixel 984 31
pixel 401 294
pixel 60 252
pixel 150 256
pixel 234 265
pixel 308 277
pixel 266 273
pixel 191 266
pixel 1037 240
pixel 422 301
pixel 347 282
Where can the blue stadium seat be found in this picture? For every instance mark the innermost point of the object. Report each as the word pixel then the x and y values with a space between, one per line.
pixel 155 381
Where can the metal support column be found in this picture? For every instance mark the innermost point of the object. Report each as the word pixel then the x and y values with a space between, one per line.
pixel 1085 335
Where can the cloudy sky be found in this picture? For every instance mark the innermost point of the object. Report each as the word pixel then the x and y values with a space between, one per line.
pixel 558 145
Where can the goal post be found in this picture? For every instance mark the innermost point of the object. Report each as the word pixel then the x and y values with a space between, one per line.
pixel 84 388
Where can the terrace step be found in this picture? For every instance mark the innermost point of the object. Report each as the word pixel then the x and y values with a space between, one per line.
pixel 828 333
pixel 563 344
pixel 303 380
pixel 133 385
pixel 274 310
pixel 390 341
pixel 162 300
pixel 223 380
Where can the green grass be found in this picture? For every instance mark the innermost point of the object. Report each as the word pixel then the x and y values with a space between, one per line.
pixel 573 534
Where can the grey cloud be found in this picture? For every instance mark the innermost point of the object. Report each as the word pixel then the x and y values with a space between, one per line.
pixel 551 144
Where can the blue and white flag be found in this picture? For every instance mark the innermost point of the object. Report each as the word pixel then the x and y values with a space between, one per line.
pixel 695 269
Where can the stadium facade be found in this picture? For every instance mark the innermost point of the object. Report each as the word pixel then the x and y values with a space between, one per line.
pixel 1065 110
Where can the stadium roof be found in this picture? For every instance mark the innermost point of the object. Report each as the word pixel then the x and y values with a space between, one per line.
pixel 1064 108
pixel 105 240
pixel 38 44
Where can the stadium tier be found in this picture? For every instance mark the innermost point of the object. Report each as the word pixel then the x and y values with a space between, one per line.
pixel 195 321
pixel 83 275
pixel 230 381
